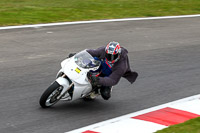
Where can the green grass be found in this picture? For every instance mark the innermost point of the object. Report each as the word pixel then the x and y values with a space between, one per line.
pixel 191 126
pixel 19 12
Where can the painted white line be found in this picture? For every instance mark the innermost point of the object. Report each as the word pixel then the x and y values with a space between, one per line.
pixel 121 118
pixel 97 21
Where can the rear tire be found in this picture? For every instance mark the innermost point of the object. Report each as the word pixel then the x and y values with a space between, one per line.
pixel 49 97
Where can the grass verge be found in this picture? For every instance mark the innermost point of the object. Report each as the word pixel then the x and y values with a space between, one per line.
pixel 191 126
pixel 19 12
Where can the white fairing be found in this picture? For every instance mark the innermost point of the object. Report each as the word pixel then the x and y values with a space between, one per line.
pixel 69 68
pixel 78 75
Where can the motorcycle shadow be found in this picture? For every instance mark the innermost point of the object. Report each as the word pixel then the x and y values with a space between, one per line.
pixel 81 105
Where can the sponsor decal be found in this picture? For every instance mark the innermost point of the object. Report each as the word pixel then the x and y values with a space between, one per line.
pixel 78 70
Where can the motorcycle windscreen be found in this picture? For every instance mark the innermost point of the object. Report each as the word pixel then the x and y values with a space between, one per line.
pixel 84 60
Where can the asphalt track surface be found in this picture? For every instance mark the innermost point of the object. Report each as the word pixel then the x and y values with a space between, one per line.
pixel 165 53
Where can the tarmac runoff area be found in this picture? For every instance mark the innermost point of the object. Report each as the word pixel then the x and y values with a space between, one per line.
pixel 149 120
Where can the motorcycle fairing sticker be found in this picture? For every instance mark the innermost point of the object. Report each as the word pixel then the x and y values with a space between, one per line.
pixel 78 70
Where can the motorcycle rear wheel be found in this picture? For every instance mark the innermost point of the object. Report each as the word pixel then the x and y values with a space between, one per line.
pixel 49 97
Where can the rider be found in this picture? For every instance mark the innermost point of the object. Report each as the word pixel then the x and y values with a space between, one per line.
pixel 115 64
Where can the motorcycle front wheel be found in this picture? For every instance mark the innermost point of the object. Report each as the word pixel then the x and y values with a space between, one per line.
pixel 50 96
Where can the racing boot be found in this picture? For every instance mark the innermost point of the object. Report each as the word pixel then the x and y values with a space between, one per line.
pixel 106 92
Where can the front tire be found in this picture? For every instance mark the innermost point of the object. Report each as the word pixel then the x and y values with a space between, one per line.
pixel 49 97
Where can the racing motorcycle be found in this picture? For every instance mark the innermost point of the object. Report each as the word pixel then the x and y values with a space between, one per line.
pixel 71 81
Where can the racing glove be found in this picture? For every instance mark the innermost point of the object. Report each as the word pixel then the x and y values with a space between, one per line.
pixel 93 79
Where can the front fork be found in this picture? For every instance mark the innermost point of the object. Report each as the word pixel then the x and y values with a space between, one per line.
pixel 63 81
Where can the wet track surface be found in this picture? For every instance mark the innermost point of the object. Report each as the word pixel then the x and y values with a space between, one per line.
pixel 165 53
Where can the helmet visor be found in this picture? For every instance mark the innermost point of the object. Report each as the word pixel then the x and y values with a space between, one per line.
pixel 111 57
